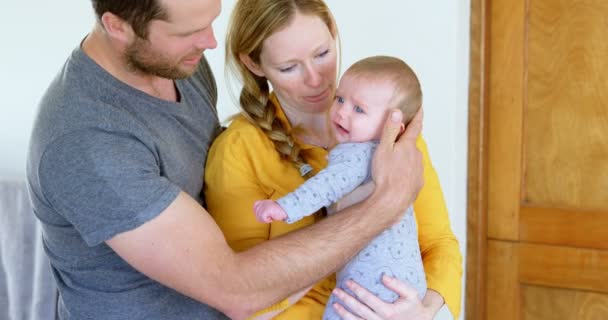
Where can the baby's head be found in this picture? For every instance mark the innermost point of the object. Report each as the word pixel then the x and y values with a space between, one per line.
pixel 367 91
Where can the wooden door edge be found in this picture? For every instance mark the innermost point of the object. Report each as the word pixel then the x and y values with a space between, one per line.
pixel 475 300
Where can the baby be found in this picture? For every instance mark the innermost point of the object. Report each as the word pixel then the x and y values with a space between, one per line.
pixel 365 94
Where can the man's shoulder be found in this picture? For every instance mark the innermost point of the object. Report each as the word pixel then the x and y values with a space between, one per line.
pixel 203 78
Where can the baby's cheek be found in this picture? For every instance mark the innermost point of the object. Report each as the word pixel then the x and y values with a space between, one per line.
pixel 378 129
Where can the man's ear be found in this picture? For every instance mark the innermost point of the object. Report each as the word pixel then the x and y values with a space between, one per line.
pixel 117 28
pixel 251 65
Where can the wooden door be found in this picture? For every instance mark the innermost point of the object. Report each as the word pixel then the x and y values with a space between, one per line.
pixel 538 162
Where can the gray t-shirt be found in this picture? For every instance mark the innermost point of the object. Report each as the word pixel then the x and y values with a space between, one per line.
pixel 105 158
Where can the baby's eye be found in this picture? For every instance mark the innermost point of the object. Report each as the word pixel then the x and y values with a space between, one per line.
pixel 340 99
pixel 358 109
pixel 324 53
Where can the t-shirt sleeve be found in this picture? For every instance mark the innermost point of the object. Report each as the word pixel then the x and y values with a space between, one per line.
pixel 206 76
pixel 104 183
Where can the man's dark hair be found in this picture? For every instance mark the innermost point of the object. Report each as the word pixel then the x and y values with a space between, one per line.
pixel 138 13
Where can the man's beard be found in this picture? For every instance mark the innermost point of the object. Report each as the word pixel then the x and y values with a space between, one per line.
pixel 141 59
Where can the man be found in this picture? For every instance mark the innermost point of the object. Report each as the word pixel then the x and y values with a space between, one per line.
pixel 115 171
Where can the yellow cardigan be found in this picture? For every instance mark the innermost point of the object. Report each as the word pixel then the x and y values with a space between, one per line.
pixel 243 167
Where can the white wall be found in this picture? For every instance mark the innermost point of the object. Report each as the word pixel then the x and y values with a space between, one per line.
pixel 432 36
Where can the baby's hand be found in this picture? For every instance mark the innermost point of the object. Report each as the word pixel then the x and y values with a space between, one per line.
pixel 267 211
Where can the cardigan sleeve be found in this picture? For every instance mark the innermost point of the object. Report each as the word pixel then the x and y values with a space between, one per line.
pixel 231 188
pixel 438 244
pixel 234 179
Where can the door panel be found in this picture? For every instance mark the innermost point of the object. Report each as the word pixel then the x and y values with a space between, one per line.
pixel 585 229
pixel 543 174
pixel 562 304
pixel 566 111
pixel 565 267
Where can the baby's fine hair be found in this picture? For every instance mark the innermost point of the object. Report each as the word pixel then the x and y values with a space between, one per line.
pixel 407 95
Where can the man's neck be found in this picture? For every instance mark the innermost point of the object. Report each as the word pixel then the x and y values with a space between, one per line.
pixel 110 57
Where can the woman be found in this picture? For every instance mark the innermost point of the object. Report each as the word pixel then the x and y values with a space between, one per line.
pixel 291 45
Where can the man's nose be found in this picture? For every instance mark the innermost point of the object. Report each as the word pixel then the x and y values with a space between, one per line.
pixel 206 40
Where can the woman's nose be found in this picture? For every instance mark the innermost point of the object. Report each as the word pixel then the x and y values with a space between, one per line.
pixel 313 77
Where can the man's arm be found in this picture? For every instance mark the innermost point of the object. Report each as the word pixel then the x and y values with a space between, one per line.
pixel 184 249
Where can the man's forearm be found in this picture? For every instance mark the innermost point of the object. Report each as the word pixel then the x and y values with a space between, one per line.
pixel 184 249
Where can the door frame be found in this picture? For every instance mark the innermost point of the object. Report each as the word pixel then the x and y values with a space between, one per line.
pixel 475 294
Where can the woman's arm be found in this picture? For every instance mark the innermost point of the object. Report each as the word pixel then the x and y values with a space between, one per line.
pixel 231 189
pixel 438 244
pixel 242 169
pixel 230 192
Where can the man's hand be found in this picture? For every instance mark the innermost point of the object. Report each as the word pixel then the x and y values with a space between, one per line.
pixel 397 164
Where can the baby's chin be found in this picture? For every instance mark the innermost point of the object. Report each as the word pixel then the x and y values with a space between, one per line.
pixel 341 139
pixel 362 139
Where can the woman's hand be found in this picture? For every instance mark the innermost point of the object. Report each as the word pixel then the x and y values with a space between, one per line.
pixel 367 306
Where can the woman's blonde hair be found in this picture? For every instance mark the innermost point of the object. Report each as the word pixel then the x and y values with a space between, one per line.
pixel 251 23
pixel 407 94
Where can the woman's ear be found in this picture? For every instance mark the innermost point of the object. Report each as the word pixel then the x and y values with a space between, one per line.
pixel 251 65
pixel 117 28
